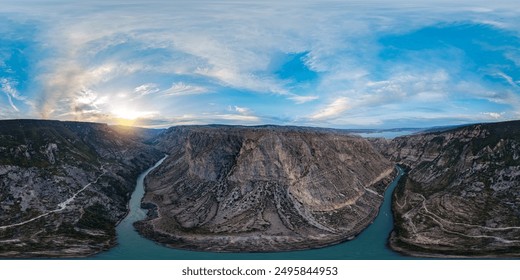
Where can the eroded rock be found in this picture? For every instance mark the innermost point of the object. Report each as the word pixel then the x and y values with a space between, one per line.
pixel 244 189
pixel 461 196
pixel 64 186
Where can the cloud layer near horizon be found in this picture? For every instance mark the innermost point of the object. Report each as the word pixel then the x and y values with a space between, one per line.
pixel 320 63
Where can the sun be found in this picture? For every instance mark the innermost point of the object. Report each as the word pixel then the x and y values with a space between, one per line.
pixel 124 122
pixel 125 113
pixel 128 117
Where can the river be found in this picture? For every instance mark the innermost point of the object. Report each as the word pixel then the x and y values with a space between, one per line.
pixel 370 244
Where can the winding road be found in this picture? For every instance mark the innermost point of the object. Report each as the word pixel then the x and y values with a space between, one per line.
pixel 61 206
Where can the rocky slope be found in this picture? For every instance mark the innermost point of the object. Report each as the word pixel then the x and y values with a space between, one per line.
pixel 461 196
pixel 226 188
pixel 64 186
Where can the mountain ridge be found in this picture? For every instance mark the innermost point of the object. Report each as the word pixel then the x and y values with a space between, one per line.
pixel 64 186
pixel 460 196
pixel 262 189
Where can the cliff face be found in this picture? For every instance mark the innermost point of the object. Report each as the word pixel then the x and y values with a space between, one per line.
pixel 64 186
pixel 461 196
pixel 262 189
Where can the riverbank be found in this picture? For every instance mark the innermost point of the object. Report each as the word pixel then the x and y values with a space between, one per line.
pixel 371 243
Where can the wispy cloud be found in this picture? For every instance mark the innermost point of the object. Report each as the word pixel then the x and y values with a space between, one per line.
pixel 238 113
pixel 195 119
pixel 180 88
pixel 146 89
pixel 236 117
pixel 10 91
pixel 509 80
pixel 300 99
pixel 240 110
pixel 70 80
pixel 333 109
pixel 494 115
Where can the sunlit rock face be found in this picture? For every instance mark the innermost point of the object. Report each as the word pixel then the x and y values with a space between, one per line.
pixel 461 196
pixel 226 188
pixel 64 186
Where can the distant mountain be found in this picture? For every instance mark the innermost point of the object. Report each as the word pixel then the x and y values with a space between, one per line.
pixel 268 188
pixel 461 195
pixel 348 131
pixel 65 185
pixel 138 134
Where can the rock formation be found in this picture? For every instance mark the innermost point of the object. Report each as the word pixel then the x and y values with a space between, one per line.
pixel 226 188
pixel 461 195
pixel 64 186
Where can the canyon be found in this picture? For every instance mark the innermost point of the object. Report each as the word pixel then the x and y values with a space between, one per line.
pixel 461 194
pixel 64 186
pixel 244 189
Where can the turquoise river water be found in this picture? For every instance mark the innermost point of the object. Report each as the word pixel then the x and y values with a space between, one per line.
pixel 370 244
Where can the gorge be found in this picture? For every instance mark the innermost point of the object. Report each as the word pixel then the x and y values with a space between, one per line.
pixel 262 188
pixel 461 194
pixel 64 186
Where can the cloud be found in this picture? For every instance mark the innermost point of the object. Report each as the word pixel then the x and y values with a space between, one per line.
pixel 146 89
pixel 236 117
pixel 240 110
pixel 194 119
pixel 509 80
pixel 228 50
pixel 180 89
pixel 410 85
pixel 493 115
pixel 299 99
pixel 333 109
pixel 69 79
pixel 8 87
pixel 244 114
pixel 514 56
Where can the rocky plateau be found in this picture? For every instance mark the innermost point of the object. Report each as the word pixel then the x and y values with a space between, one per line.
pixel 244 189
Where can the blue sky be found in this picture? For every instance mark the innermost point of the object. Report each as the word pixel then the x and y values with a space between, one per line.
pixel 343 64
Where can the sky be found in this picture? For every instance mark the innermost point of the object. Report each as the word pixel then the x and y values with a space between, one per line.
pixel 341 64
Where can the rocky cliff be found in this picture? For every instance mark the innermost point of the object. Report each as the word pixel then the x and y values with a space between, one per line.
pixel 226 188
pixel 64 186
pixel 461 195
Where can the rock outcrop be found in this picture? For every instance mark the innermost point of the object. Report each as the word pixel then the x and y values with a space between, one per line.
pixel 64 186
pixel 242 189
pixel 461 195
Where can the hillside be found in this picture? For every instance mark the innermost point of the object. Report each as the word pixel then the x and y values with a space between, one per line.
pixel 461 196
pixel 64 186
pixel 226 188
